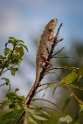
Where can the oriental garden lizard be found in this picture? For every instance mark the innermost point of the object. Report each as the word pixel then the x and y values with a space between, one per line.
pixel 42 54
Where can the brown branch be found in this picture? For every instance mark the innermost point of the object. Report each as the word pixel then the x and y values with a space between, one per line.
pixel 57 52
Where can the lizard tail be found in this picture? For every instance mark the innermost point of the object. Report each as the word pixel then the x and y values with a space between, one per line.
pixel 37 75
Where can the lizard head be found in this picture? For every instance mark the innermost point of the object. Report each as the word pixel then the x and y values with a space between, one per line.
pixel 52 24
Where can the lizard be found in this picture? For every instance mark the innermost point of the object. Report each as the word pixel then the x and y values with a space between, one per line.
pixel 42 53
pixel 44 46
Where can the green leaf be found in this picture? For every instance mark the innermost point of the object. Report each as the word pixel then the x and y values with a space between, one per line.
pixel 76 122
pixel 13 71
pixel 70 78
pixel 10 95
pixel 53 83
pixel 46 113
pixel 20 41
pixel 80 70
pixel 7 51
pixel 11 117
pixel 12 105
pixel 22 45
pixel 68 119
pixel 1 57
pixel 12 40
pixel 19 51
pixel 67 102
pixel 13 97
pixel 31 120
pixel 39 118
pixel 7 81
pixel 81 106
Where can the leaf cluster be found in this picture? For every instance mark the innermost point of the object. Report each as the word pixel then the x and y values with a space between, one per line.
pixel 13 55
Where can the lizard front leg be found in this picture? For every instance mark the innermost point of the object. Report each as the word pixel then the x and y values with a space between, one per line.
pixel 44 58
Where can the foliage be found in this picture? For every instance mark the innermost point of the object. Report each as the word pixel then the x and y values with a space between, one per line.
pixel 20 110
pixel 11 108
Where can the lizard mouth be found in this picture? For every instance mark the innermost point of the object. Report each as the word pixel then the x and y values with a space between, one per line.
pixel 52 24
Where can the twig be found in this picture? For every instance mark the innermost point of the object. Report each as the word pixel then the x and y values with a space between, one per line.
pixel 2 84
pixel 67 57
pixel 72 86
pixel 78 100
pixel 64 67
pixel 57 52
pixel 45 100
pixel 46 86
pixel 8 69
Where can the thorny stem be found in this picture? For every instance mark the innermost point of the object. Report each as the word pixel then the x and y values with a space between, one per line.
pixel 42 73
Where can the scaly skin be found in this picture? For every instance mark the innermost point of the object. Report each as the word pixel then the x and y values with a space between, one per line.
pixel 44 46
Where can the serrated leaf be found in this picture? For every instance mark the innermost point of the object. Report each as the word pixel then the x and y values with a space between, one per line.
pixel 70 78
pixel 39 118
pixel 68 119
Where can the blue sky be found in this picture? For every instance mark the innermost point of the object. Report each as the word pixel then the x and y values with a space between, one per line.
pixel 23 18
pixel 26 19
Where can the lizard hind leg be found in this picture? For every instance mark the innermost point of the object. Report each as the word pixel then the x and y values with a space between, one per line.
pixel 45 61
pixel 44 57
